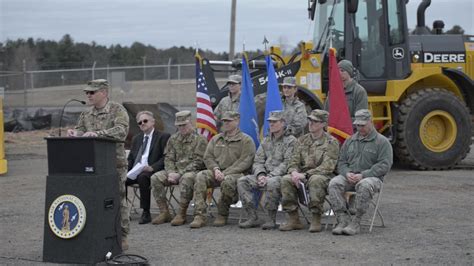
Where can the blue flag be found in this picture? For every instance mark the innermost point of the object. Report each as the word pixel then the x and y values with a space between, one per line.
pixel 248 113
pixel 273 94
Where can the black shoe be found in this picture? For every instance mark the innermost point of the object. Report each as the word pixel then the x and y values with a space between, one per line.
pixel 146 218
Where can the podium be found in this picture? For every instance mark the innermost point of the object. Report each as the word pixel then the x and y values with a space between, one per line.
pixel 82 207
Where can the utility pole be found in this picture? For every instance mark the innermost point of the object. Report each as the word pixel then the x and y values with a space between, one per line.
pixel 232 30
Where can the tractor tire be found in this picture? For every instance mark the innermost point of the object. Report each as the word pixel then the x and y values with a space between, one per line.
pixel 434 130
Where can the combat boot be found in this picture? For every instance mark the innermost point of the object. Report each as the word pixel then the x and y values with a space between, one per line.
pixel 220 220
pixel 342 222
pixel 353 228
pixel 180 218
pixel 271 221
pixel 124 243
pixel 198 222
pixel 252 220
pixel 164 216
pixel 315 223
pixel 293 223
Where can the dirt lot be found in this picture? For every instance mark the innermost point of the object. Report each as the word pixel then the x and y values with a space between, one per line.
pixel 428 218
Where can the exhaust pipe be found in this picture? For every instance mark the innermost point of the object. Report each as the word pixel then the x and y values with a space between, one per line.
pixel 421 28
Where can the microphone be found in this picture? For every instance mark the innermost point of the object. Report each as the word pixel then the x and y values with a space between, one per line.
pixel 62 112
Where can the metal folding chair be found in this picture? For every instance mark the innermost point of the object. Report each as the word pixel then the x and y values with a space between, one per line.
pixel 171 197
pixel 136 195
pixel 373 214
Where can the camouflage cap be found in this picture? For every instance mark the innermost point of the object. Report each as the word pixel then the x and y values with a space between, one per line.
pixel 275 116
pixel 97 84
pixel 347 66
pixel 182 118
pixel 289 81
pixel 319 115
pixel 236 79
pixel 362 117
pixel 231 115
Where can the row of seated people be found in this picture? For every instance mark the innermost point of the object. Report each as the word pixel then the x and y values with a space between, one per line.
pixel 279 166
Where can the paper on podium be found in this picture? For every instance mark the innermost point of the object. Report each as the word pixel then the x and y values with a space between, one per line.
pixel 136 170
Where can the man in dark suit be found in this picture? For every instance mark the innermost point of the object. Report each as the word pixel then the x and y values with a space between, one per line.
pixel 147 149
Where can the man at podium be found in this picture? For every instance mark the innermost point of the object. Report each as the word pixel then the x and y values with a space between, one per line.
pixel 108 119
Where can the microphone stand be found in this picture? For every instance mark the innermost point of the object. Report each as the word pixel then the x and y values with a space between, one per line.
pixel 62 112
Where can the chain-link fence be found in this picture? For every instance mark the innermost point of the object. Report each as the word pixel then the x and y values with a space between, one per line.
pixel 14 81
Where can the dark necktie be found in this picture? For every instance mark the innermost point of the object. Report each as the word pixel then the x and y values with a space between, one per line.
pixel 141 150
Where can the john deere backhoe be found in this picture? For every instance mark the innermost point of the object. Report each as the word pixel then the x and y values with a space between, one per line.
pixel 420 86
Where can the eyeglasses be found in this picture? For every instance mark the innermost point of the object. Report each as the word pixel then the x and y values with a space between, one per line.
pixel 288 87
pixel 90 92
pixel 144 121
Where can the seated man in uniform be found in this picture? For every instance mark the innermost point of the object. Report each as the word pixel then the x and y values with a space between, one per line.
pixel 313 163
pixel 183 159
pixel 229 155
pixel 366 157
pixel 270 164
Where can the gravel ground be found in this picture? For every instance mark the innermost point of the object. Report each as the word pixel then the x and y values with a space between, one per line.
pixel 428 218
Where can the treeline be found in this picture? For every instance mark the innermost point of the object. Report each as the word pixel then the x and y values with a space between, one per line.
pixel 49 54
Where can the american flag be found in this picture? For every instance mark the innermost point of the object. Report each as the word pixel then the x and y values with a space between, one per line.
pixel 206 121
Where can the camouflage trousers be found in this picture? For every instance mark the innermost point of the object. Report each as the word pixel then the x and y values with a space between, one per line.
pixel 124 208
pixel 159 182
pixel 229 195
pixel 248 184
pixel 365 190
pixel 316 184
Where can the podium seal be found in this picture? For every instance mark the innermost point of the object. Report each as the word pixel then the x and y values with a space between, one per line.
pixel 67 216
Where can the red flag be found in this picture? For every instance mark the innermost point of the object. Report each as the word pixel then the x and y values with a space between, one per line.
pixel 206 121
pixel 340 122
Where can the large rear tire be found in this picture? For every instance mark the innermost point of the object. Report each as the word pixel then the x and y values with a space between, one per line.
pixel 434 130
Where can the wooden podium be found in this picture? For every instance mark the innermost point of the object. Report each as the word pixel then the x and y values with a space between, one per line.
pixel 82 207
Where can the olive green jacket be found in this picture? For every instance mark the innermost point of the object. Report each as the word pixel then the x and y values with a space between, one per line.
pixel 371 156
pixel 233 155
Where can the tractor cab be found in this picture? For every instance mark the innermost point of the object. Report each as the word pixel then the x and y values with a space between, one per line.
pixel 370 33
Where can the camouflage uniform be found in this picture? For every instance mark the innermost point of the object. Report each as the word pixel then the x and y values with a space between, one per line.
pixel 112 122
pixel 183 155
pixel 226 104
pixel 372 157
pixel 295 116
pixel 317 158
pixel 233 155
pixel 271 159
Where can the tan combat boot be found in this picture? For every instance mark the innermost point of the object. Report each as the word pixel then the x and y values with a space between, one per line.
pixel 198 222
pixel 353 228
pixel 315 223
pixel 293 223
pixel 271 221
pixel 342 222
pixel 124 243
pixel 180 219
pixel 164 216
pixel 220 220
pixel 252 220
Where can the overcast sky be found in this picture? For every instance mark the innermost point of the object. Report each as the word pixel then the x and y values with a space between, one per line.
pixel 166 23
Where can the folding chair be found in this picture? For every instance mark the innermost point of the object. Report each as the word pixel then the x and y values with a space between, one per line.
pixel 257 198
pixel 170 197
pixel 327 213
pixel 136 195
pixel 374 203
